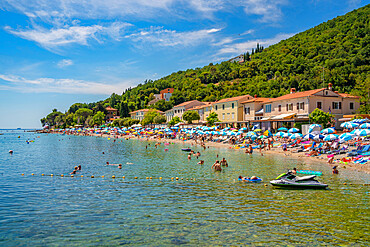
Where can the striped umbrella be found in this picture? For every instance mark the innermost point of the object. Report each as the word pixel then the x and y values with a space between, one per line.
pixel 295 136
pixel 319 137
pixel 280 134
pixel 313 127
pixel 345 137
pixel 365 126
pixel 349 125
pixel 286 135
pixel 364 132
pixel 308 136
pixel 331 137
pixel 328 131
pixel 282 129
pixel 293 130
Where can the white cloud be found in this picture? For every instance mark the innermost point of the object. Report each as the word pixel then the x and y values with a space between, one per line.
pixel 65 63
pixel 58 11
pixel 56 37
pixel 270 10
pixel 162 37
pixel 238 48
pixel 66 86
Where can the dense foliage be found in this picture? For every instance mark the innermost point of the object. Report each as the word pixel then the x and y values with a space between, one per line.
pixel 320 117
pixel 337 52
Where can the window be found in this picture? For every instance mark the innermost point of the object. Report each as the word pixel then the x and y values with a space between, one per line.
pixel 300 106
pixel 337 105
pixel 247 110
pixel 223 116
pixel 319 105
pixel 232 115
pixel 351 106
pixel 289 107
pixel 216 107
pixel 279 108
pixel 232 105
pixel 223 106
pixel 268 108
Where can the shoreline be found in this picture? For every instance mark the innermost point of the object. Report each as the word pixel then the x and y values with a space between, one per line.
pixel 274 151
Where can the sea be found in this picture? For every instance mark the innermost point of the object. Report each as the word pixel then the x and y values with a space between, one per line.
pixel 145 205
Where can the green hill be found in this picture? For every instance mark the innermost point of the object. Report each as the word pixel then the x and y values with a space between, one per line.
pixel 339 48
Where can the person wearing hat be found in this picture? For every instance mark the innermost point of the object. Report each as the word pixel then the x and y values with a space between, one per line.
pixel 335 170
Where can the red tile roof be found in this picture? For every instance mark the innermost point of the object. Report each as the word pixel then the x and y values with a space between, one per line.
pixel 186 103
pixel 298 94
pixel 256 100
pixel 346 95
pixel 233 99
pixel 110 109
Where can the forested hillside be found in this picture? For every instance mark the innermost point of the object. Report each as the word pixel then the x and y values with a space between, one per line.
pixel 337 50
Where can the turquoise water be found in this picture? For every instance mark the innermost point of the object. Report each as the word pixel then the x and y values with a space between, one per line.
pixel 213 209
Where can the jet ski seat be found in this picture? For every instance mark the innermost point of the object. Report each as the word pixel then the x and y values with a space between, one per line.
pixel 305 178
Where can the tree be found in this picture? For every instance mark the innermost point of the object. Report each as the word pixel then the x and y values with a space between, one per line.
pixel 82 113
pixel 190 116
pixel 159 119
pixel 212 118
pixel 149 117
pixel 99 107
pixel 174 120
pixel 363 90
pixel 320 117
pixel 162 105
pixel 99 118
pixel 123 109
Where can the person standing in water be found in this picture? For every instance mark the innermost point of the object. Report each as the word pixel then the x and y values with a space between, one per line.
pixel 217 166
pixel 224 162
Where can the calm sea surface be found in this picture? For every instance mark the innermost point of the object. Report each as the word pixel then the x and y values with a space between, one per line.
pixel 213 209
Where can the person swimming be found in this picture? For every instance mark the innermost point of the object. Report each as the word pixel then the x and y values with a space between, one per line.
pixel 201 162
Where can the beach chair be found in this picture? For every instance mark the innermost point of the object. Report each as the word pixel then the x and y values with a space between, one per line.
pixel 359 149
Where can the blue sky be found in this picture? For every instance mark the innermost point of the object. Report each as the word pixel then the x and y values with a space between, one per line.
pixel 54 53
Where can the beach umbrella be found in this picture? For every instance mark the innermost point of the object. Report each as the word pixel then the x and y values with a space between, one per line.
pixel 363 132
pixel 282 129
pixel 293 130
pixel 280 134
pixel 330 137
pixel 328 131
pixel 319 137
pixel 296 135
pixel 349 125
pixel 313 127
pixel 261 137
pixel 345 137
pixel 286 135
pixel 250 134
pixel 365 126
pixel 257 130
pixel 308 136
pixel 267 133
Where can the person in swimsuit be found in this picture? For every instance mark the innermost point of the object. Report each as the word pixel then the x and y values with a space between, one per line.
pixel 224 162
pixel 217 166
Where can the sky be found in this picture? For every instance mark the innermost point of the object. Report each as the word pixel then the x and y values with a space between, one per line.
pixel 54 53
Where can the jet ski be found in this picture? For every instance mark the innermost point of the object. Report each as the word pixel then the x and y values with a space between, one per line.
pixel 289 180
